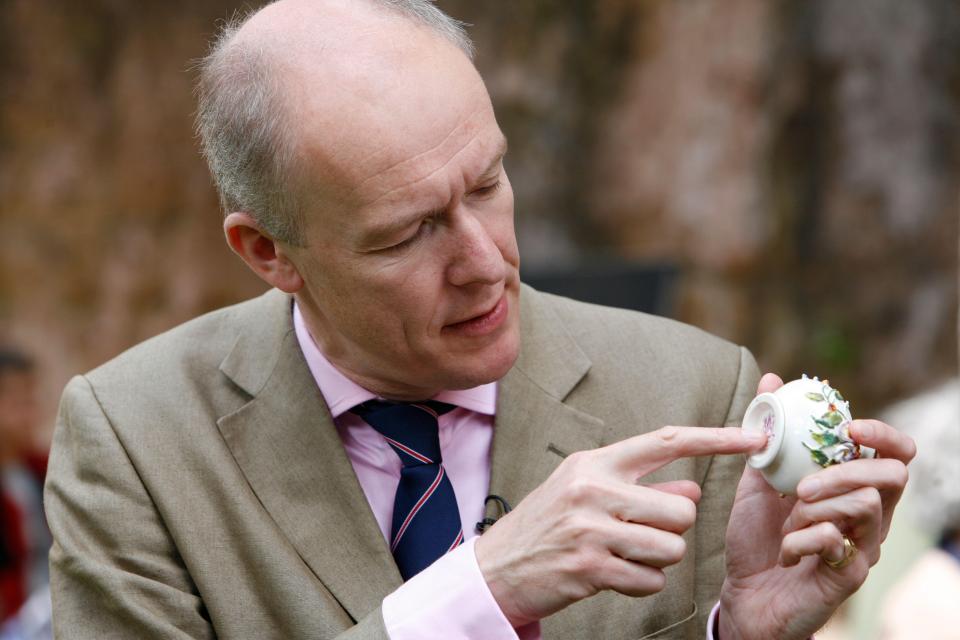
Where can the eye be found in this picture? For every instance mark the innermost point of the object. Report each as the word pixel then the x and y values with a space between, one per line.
pixel 421 231
pixel 489 190
pixel 405 243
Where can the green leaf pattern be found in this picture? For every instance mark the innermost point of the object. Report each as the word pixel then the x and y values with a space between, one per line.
pixel 829 431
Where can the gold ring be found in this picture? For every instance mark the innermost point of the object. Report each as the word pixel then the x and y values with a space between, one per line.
pixel 849 553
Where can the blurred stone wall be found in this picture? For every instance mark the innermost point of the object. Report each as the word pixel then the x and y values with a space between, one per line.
pixel 797 161
pixel 111 228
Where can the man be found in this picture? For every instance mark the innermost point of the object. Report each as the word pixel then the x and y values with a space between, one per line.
pixel 249 475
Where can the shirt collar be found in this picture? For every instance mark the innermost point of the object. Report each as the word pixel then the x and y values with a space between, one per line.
pixel 342 394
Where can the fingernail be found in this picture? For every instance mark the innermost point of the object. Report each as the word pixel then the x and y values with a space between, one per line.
pixel 810 489
pixel 756 438
pixel 865 429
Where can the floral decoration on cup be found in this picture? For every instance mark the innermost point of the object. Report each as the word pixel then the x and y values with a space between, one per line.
pixel 807 424
pixel 831 431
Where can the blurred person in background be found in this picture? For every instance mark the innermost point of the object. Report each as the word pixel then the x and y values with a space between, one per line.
pixel 925 602
pixel 24 539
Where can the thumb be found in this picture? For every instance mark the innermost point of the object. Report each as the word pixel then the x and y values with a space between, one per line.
pixel 769 383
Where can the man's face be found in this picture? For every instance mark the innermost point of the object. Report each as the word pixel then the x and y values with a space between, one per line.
pixel 411 264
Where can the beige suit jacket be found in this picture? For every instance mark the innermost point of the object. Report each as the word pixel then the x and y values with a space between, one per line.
pixel 198 488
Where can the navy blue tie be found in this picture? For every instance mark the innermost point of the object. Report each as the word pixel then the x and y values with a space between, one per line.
pixel 426 520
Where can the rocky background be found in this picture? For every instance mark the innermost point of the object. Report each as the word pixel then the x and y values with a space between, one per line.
pixel 795 162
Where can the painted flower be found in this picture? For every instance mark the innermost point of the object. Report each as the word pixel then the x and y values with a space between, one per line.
pixel 830 432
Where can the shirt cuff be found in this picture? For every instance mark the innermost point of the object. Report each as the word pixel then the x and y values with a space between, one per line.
pixel 712 622
pixel 450 600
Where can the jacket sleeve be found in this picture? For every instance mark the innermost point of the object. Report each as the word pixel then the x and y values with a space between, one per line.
pixel 115 571
pixel 719 489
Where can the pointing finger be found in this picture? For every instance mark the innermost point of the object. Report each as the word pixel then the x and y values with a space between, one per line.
pixel 646 453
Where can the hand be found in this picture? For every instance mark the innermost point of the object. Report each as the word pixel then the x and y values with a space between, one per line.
pixel 777 584
pixel 590 526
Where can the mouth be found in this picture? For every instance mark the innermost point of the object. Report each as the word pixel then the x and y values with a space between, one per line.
pixel 483 324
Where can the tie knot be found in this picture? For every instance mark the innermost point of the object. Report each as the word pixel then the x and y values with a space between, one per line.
pixel 411 428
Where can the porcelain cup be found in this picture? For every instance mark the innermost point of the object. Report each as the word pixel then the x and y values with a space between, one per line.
pixel 807 426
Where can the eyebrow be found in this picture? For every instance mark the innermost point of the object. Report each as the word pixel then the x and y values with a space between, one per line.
pixel 380 232
pixel 497 159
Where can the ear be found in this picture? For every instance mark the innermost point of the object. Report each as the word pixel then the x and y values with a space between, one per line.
pixel 265 256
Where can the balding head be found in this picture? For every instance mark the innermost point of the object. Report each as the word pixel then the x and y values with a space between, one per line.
pixel 265 69
pixel 375 133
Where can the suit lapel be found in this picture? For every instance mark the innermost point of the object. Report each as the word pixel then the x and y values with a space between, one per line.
pixel 287 446
pixel 534 428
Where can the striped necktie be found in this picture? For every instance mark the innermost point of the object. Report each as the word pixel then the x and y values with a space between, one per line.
pixel 426 520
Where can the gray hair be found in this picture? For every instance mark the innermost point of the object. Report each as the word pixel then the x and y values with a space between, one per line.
pixel 243 131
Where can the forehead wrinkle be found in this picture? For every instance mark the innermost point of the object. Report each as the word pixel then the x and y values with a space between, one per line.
pixel 407 185
pixel 464 122
pixel 408 218
pixel 498 157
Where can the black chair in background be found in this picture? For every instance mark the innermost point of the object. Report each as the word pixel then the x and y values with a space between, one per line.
pixel 640 287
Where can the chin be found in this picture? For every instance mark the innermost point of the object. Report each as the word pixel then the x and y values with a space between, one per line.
pixel 489 366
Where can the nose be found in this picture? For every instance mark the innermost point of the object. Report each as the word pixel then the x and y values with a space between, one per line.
pixel 475 256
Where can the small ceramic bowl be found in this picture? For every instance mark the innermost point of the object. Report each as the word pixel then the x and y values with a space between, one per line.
pixel 807 426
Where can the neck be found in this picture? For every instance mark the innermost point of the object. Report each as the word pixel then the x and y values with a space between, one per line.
pixel 397 390
pixel 387 390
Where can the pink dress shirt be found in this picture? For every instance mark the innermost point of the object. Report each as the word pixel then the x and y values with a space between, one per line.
pixel 450 599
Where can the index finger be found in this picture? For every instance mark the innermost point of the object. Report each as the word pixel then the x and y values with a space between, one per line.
pixel 646 453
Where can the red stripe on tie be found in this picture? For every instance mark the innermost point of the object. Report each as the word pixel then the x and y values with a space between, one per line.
pixel 423 499
pixel 410 452
pixel 427 409
pixel 456 542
